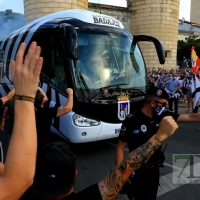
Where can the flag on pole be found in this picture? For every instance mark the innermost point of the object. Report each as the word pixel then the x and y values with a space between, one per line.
pixel 194 60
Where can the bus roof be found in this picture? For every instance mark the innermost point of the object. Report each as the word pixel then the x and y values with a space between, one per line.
pixel 84 15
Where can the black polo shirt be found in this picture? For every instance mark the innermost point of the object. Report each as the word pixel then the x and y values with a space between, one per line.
pixel 138 128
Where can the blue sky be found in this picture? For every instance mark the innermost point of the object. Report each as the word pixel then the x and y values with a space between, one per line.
pixel 184 10
pixel 17 6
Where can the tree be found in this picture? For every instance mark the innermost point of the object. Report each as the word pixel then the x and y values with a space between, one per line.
pixel 184 48
pixel 10 22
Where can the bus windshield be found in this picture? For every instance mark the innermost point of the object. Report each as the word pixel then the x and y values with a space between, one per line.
pixel 106 59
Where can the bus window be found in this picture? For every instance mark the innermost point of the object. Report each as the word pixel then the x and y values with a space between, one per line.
pixel 58 79
pixel 109 59
pixel 53 66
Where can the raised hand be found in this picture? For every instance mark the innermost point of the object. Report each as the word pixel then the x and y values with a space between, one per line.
pixel 167 128
pixel 25 73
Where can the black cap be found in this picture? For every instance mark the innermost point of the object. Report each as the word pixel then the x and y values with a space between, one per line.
pixel 157 92
pixel 55 170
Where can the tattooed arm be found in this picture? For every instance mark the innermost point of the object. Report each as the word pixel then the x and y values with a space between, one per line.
pixel 62 110
pixel 112 183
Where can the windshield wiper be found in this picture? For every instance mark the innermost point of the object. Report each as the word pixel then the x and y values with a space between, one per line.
pixel 84 83
pixel 102 89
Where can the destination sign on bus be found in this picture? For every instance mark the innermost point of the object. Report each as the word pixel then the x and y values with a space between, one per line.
pixel 106 21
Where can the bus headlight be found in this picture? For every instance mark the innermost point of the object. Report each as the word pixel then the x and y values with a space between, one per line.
pixel 83 121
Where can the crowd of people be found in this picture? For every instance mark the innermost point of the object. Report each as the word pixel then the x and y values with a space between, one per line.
pixel 38 168
pixel 177 83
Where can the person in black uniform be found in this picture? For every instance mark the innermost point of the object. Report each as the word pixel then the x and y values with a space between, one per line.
pixel 136 129
pixel 56 169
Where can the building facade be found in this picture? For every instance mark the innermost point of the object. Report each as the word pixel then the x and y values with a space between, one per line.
pixel 158 19
pixel 34 9
pixel 151 17
pixel 194 11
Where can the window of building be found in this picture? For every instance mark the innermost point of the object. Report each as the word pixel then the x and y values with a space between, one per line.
pixel 168 54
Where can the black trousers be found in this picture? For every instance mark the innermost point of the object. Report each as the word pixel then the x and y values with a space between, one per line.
pixel 145 183
pixel 175 100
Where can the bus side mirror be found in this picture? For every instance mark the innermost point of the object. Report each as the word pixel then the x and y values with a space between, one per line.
pixel 159 47
pixel 71 39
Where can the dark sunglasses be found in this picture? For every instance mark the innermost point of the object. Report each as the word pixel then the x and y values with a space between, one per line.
pixel 161 103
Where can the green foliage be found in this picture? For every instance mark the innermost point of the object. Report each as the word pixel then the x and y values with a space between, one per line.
pixel 184 47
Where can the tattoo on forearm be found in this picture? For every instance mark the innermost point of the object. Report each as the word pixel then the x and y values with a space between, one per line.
pixel 157 139
pixel 110 186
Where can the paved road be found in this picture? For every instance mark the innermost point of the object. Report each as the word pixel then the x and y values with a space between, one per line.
pixel 95 159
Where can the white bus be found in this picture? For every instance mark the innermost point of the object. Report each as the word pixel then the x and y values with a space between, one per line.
pixel 97 57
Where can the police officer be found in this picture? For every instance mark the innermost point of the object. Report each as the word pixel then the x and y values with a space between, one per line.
pixel 136 129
